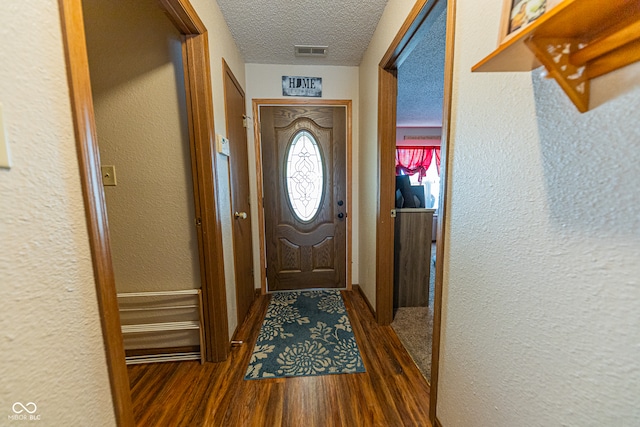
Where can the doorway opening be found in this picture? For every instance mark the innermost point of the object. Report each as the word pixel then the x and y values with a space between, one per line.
pixel 140 108
pixel 417 170
pixel 420 20
pixel 194 47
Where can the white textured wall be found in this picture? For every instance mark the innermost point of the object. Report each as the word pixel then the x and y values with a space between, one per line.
pixel 221 45
pixel 135 60
pixel 51 350
pixel 541 322
pixel 265 81
pixel 392 19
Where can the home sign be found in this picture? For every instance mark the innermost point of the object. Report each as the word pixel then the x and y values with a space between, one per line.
pixel 302 86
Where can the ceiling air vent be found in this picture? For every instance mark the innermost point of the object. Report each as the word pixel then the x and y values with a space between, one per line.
pixel 311 50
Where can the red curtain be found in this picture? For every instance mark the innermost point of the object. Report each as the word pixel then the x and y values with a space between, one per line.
pixel 414 160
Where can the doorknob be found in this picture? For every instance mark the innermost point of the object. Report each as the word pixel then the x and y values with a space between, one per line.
pixel 240 215
pixel 340 215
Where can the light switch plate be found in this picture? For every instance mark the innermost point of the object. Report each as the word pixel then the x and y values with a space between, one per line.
pixel 108 175
pixel 5 159
pixel 223 145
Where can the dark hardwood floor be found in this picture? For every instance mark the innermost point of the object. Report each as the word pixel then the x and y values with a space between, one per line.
pixel 391 393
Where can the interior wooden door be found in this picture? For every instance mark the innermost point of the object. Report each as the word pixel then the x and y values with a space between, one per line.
pixel 304 168
pixel 239 178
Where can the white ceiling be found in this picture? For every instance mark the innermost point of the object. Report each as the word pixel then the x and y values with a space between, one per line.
pixel 266 32
pixel 421 80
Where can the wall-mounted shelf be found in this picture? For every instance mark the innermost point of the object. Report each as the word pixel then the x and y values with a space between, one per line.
pixel 576 41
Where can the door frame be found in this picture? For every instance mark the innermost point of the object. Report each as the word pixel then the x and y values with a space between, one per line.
pixel 275 102
pixel 195 53
pixel 418 21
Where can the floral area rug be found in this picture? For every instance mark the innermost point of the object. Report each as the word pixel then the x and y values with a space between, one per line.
pixel 305 333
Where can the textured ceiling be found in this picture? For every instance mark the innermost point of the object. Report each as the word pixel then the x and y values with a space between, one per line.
pixel 421 80
pixel 266 31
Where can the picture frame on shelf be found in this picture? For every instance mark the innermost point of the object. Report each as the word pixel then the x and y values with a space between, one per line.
pixel 517 14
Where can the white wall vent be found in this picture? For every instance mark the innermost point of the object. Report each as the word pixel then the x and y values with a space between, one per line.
pixel 311 50
pixel 423 137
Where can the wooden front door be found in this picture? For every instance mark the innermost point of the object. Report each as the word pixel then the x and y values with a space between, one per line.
pixel 239 177
pixel 304 168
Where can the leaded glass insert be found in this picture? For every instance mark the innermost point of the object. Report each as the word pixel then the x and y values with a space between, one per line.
pixel 304 176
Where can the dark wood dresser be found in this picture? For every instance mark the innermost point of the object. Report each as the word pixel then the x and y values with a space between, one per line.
pixel 412 260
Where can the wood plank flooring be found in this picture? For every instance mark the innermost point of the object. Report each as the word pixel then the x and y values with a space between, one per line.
pixel 391 393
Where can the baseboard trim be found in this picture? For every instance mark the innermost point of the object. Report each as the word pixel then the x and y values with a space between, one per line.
pixel 358 289
pixel 235 341
pixel 163 350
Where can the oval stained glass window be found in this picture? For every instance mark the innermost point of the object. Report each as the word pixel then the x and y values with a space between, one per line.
pixel 304 176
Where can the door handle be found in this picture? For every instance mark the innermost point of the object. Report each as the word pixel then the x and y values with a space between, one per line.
pixel 240 215
pixel 340 215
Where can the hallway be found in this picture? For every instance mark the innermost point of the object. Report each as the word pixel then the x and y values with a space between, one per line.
pixel 391 393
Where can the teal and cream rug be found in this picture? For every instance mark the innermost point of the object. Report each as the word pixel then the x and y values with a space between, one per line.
pixel 305 333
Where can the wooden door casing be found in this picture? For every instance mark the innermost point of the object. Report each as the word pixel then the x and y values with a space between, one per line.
pixel 418 22
pixel 303 255
pixel 195 50
pixel 234 100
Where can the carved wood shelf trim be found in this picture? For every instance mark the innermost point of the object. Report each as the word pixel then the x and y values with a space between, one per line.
pixel 576 41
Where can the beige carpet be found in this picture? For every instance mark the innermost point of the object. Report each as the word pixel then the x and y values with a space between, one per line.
pixel 414 327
